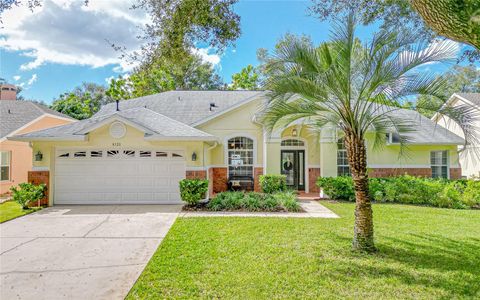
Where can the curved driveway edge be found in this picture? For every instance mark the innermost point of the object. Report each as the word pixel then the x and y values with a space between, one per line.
pixel 80 252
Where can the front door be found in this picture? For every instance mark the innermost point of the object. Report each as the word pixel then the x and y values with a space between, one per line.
pixel 293 166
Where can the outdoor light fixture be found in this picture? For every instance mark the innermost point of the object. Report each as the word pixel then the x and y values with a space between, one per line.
pixel 38 156
pixel 194 156
pixel 294 132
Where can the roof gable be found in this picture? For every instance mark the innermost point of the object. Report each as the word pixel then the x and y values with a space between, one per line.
pixel 16 114
pixel 188 107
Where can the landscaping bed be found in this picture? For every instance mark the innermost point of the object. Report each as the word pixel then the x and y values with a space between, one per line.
pixel 458 194
pixel 249 202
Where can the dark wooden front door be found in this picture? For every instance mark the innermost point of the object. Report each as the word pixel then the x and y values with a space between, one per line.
pixel 293 166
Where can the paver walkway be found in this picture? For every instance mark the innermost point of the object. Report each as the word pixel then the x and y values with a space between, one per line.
pixel 80 252
pixel 312 208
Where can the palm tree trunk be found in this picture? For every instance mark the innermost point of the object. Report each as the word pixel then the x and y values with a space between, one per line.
pixel 357 159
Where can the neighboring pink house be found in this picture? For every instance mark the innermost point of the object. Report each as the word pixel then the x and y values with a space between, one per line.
pixel 18 117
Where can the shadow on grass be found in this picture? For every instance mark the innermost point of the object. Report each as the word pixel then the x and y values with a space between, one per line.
pixel 424 261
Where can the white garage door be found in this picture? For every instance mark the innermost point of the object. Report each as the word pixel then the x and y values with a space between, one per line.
pixel 118 176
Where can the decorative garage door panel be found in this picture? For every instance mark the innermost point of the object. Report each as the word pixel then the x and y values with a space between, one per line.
pixel 118 176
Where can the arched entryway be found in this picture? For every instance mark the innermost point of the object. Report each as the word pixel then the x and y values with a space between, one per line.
pixel 293 162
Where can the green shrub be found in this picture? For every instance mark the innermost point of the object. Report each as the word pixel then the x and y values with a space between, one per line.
pixel 193 190
pixel 288 200
pixel 28 193
pixel 471 193
pixel 409 189
pixel 273 183
pixel 338 188
pixel 254 201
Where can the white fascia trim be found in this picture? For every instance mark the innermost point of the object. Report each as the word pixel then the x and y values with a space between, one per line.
pixel 61 118
pixel 112 118
pixel 233 107
pixel 50 138
pixel 436 116
pixel 181 138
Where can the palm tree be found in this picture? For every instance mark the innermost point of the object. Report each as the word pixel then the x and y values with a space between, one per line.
pixel 356 88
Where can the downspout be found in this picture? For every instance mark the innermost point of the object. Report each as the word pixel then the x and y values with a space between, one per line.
pixel 210 184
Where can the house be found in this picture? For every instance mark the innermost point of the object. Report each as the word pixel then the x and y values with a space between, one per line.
pixel 136 151
pixel 20 117
pixel 469 160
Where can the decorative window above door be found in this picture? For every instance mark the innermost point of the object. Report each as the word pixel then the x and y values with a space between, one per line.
pixel 292 142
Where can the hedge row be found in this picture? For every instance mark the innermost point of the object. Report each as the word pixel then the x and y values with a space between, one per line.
pixel 459 194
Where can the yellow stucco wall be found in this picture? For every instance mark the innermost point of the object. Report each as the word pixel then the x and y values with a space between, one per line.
pixel 237 122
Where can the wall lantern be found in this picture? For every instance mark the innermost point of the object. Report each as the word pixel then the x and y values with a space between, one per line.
pixel 194 156
pixel 294 132
pixel 38 156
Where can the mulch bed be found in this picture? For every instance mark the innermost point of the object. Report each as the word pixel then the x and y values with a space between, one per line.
pixel 203 207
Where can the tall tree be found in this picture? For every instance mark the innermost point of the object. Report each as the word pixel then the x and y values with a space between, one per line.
pixel 457 80
pixel 83 102
pixel 403 16
pixel 348 86
pixel 246 79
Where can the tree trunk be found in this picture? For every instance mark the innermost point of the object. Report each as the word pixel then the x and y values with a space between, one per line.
pixel 357 159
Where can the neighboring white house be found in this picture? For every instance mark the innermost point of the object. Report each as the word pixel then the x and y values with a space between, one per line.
pixel 469 159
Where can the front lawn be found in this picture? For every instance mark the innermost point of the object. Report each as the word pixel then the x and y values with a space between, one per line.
pixel 424 253
pixel 11 210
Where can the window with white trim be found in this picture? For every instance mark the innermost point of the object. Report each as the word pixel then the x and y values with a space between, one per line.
pixel 240 156
pixel 343 168
pixel 292 143
pixel 5 161
pixel 439 164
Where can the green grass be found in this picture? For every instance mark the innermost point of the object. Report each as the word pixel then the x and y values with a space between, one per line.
pixel 424 253
pixel 11 210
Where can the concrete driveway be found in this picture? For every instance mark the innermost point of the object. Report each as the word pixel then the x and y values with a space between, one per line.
pixel 80 252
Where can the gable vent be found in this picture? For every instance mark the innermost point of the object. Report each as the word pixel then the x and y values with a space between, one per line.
pixel 117 130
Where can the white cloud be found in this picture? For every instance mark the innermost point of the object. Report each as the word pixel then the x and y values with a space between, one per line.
pixel 28 83
pixel 32 79
pixel 17 77
pixel 204 53
pixel 68 32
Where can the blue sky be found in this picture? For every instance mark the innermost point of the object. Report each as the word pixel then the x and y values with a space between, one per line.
pixel 63 44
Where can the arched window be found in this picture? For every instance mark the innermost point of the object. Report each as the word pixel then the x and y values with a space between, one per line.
pixel 343 169
pixel 292 143
pixel 240 156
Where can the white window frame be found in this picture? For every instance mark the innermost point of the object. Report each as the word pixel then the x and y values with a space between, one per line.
pixel 9 164
pixel 254 158
pixel 344 150
pixel 447 164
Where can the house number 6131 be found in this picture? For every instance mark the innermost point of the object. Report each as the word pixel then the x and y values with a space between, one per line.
pixel 116 144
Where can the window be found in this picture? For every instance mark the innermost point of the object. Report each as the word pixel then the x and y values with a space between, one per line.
pixel 145 153
pixel 64 155
pixel 176 155
pixel 240 156
pixel 293 142
pixel 439 163
pixel 4 165
pixel 161 154
pixel 80 154
pixel 112 153
pixel 343 169
pixel 96 153
pixel 393 138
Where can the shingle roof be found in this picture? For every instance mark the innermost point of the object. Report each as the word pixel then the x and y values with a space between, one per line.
pixel 160 126
pixel 188 107
pixel 426 131
pixel 16 113
pixel 472 97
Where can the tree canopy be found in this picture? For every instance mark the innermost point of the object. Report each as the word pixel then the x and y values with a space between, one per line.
pixel 459 19
pixel 246 79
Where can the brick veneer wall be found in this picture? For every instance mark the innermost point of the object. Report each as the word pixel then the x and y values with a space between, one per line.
pixel 196 174
pixel 38 177
pixel 390 172
pixel 313 174
pixel 455 173
pixel 256 179
pixel 218 177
